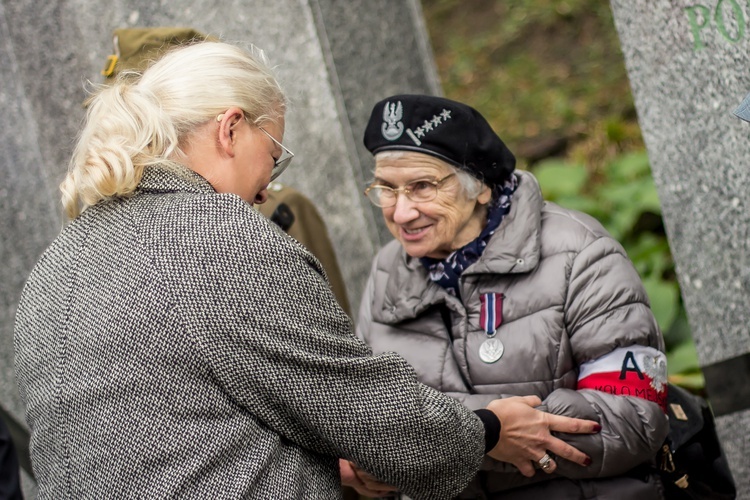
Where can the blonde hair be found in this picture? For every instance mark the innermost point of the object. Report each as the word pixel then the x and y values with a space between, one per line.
pixel 472 187
pixel 133 124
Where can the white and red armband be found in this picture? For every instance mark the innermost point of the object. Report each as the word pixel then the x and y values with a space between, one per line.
pixel 637 370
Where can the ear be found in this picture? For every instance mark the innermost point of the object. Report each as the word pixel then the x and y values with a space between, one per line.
pixel 485 195
pixel 227 129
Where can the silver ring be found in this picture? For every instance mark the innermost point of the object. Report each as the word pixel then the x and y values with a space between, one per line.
pixel 545 462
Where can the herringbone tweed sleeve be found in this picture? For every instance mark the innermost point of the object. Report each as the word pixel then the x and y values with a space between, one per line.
pixel 175 344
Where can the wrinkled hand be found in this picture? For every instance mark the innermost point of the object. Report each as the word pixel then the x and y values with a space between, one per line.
pixel 364 483
pixel 525 434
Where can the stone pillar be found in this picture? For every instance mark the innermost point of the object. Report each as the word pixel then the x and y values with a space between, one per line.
pixel 335 59
pixel 689 67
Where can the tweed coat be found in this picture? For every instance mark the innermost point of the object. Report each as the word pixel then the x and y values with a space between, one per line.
pixel 176 344
pixel 309 229
pixel 570 296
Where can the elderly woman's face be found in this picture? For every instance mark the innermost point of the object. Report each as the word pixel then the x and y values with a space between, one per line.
pixel 432 228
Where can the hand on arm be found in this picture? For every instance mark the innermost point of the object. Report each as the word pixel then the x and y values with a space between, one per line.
pixel 633 429
pixel 525 434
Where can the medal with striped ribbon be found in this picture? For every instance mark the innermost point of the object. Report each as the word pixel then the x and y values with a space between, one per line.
pixel 491 317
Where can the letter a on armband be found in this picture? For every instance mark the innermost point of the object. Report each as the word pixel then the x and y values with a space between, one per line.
pixel 628 371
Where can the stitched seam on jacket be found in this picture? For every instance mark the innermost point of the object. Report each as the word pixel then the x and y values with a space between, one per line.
pixel 61 367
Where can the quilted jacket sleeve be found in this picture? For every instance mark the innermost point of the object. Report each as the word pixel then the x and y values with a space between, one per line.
pixel 264 317
pixel 607 311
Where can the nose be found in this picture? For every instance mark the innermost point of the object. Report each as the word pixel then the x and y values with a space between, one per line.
pixel 405 210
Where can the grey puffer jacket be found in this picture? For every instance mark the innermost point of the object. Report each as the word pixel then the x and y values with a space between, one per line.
pixel 570 296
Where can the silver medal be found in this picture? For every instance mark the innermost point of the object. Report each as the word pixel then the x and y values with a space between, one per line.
pixel 491 350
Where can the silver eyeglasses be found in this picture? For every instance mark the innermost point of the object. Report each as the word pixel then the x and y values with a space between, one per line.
pixel 279 165
pixel 418 191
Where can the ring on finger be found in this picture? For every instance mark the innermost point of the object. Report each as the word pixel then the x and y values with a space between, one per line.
pixel 545 462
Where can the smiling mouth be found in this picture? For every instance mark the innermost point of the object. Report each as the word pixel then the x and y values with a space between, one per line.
pixel 413 233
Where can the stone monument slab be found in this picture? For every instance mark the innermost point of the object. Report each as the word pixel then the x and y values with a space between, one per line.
pixel 689 67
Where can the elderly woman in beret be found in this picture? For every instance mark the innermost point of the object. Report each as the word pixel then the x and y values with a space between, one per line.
pixel 489 291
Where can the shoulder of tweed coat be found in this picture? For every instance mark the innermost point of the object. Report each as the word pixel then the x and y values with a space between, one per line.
pixel 175 343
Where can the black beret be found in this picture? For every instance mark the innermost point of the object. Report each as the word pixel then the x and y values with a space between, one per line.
pixel 454 132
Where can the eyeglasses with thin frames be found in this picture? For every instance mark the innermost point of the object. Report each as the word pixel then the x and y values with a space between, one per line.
pixel 417 191
pixel 279 165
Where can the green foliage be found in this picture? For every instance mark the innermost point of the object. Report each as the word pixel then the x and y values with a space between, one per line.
pixel 534 68
pixel 624 199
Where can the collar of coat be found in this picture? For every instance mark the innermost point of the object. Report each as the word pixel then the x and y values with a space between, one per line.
pixel 514 248
pixel 172 178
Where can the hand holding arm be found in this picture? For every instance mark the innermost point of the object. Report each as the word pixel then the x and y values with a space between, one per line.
pixel 525 434
pixel 633 429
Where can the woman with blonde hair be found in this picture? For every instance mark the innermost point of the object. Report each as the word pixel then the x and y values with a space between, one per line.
pixel 172 342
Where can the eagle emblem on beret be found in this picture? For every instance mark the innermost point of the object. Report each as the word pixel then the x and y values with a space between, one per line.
pixel 392 127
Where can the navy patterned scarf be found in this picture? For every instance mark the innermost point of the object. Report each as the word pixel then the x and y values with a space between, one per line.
pixel 446 272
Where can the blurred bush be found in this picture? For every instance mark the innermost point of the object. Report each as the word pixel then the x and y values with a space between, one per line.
pixel 548 74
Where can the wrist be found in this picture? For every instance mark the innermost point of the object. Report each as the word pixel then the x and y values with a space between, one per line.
pixel 491 427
